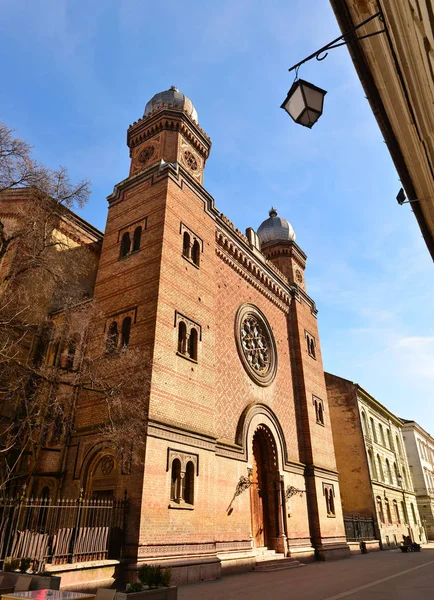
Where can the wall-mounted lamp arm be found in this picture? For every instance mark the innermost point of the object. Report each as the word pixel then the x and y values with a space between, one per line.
pixel 341 41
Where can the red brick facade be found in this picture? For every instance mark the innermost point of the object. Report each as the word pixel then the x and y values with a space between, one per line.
pixel 206 411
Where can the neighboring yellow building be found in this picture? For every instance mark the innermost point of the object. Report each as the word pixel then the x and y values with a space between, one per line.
pixel 396 69
pixel 374 475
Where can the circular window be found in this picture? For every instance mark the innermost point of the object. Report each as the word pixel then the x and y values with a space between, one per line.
pixel 146 154
pixel 190 160
pixel 298 276
pixel 107 465
pixel 256 345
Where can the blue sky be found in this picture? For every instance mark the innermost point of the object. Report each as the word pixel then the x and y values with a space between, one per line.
pixel 76 74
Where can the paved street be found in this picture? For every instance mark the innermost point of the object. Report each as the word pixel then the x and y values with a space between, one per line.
pixel 377 576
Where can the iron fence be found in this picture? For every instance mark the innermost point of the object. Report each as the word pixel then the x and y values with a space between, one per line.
pixel 64 531
pixel 359 528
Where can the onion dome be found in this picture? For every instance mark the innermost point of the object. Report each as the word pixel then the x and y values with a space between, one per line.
pixel 171 98
pixel 275 229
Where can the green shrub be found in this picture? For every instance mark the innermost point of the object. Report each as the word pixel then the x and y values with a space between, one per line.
pixel 134 587
pixel 25 564
pixel 11 564
pixel 154 575
pixel 166 576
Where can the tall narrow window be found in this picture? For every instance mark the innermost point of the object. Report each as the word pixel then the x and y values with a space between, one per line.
pixel 404 512
pixel 137 238
pixel 374 433
pixel 372 464
pixel 182 337
pixel 189 483
pixel 413 514
pixel 389 439
pixel 388 471
pixel 364 424
pixel 186 245
pixel 112 338
pixel 404 472
pixel 396 472
pixel 389 516
pixel 396 511
pixel 380 509
pixel 125 244
pixel 126 328
pixel 192 344
pixel 329 498
pixel 380 468
pixel 195 253
pixel 175 486
pixel 382 440
pixel 398 446
pixel 72 348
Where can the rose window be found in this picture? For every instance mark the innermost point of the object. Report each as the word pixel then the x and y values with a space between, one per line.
pixel 107 465
pixel 190 160
pixel 255 343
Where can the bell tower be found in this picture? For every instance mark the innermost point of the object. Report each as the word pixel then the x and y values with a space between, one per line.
pixel 169 132
pixel 277 238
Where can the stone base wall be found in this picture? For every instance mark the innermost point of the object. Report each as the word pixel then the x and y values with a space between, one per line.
pixel 87 577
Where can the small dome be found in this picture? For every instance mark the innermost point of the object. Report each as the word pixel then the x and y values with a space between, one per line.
pixel 173 98
pixel 275 229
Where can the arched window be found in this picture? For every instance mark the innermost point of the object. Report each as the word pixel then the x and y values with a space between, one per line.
pixel 380 509
pixel 413 513
pixel 389 516
pixel 380 468
pixel 189 483
pixel 192 344
pixel 396 511
pixel 125 334
pixel 195 253
pixel 137 236
pixel 389 472
pixel 125 244
pixel 182 338
pixel 372 464
pixel 186 245
pixel 374 433
pixel 112 338
pixel 175 481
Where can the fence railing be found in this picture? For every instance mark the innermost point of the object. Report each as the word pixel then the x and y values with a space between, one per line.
pixel 359 528
pixel 63 531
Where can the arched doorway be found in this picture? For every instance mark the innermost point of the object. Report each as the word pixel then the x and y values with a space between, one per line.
pixel 102 479
pixel 265 491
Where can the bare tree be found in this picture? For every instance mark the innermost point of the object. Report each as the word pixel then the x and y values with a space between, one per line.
pixel 35 270
pixel 44 298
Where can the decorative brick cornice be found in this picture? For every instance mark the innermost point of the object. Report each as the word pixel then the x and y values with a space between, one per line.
pixel 239 260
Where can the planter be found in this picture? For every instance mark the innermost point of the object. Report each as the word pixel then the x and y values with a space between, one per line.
pixel 39 582
pixel 162 593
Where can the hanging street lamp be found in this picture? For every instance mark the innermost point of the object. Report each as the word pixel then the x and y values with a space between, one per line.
pixel 304 102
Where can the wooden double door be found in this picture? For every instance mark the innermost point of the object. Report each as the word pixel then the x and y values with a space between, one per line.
pixel 264 491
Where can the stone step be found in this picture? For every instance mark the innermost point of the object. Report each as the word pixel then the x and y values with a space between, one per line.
pixel 277 565
pixel 263 550
pixel 269 557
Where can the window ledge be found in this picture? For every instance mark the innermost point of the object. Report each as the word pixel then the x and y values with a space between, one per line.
pixel 189 260
pixel 312 356
pixel 319 423
pixel 187 357
pixel 180 506
pixel 331 516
